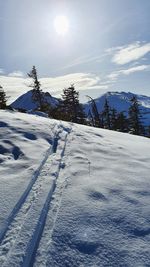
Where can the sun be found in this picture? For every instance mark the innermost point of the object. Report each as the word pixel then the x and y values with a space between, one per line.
pixel 61 25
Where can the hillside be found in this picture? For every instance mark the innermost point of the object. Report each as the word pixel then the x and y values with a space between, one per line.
pixel 121 102
pixel 72 195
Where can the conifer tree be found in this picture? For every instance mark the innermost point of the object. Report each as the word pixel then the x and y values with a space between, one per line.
pixel 134 117
pixel 90 119
pixel 113 119
pixel 71 108
pixel 96 121
pixel 122 122
pixel 37 94
pixel 3 99
pixel 148 131
pixel 106 115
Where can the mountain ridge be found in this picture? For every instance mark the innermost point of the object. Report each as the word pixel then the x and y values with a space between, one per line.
pixel 118 100
pixel 26 102
pixel 121 101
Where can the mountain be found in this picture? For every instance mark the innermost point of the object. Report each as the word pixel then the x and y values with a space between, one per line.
pixel 121 102
pixel 72 195
pixel 26 102
pixel 118 100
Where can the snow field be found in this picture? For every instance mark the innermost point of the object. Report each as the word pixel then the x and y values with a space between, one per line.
pixel 82 195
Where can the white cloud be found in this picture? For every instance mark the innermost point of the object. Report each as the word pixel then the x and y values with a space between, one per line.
pixel 132 52
pixel 81 80
pixel 16 86
pixel 16 73
pixel 114 75
pixel 135 69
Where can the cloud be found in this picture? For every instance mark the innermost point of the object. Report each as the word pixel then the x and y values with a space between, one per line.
pixel 114 75
pixel 127 54
pixel 16 73
pixel 86 59
pixel 81 81
pixel 16 86
pixel 135 69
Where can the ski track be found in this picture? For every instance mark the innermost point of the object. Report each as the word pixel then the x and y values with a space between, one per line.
pixel 20 238
pixel 25 194
pixel 40 259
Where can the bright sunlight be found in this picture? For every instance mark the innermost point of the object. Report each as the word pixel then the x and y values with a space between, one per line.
pixel 61 25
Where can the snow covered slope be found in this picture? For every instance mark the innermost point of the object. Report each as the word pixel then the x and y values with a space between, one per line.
pixel 72 195
pixel 25 101
pixel 121 102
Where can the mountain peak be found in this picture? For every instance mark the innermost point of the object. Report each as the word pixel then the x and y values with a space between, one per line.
pixel 26 102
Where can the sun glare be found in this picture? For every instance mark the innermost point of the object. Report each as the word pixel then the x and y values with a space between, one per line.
pixel 61 25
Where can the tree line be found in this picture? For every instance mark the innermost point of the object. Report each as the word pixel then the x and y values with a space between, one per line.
pixel 70 109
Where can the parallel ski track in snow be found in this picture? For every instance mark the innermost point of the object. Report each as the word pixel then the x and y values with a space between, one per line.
pixel 25 194
pixel 21 236
pixel 41 256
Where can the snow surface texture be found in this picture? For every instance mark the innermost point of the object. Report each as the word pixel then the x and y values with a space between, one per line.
pixel 72 195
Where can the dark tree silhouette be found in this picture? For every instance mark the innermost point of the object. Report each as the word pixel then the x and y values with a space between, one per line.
pixel 95 117
pixel 3 98
pixel 113 119
pixel 37 94
pixel 71 108
pixel 122 122
pixel 134 117
pixel 106 115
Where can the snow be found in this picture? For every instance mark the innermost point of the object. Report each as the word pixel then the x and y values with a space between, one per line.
pixel 25 101
pixel 121 102
pixel 72 195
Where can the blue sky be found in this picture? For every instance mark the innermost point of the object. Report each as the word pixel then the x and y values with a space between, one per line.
pixel 106 48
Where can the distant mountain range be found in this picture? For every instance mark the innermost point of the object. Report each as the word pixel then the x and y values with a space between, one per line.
pixel 121 102
pixel 118 100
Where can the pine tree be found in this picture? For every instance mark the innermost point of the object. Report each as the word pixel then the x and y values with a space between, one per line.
pixel 134 117
pixel 71 108
pixel 90 119
pixel 3 99
pixel 113 119
pixel 122 122
pixel 148 131
pixel 95 116
pixel 106 115
pixel 37 94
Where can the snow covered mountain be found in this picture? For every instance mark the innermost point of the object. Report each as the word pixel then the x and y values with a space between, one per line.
pixel 26 102
pixel 72 195
pixel 121 102
pixel 118 100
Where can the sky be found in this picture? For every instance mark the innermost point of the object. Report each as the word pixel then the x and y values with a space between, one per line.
pixel 106 46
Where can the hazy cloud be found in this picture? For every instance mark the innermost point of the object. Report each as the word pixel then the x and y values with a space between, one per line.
pixel 16 73
pixel 86 59
pixel 135 69
pixel 129 53
pixel 114 75
pixel 16 86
